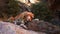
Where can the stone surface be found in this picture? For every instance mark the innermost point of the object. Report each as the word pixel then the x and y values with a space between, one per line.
pixel 8 28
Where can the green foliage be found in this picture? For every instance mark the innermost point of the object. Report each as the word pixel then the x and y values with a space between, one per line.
pixel 13 7
pixel 41 11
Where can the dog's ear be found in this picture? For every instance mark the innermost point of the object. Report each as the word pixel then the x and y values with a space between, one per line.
pixel 32 15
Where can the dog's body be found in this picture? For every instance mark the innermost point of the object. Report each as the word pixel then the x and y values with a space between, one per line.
pixel 23 18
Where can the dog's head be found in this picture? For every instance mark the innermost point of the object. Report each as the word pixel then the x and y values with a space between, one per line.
pixel 29 16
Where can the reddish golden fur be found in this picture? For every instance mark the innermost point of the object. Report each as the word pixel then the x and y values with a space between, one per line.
pixel 24 15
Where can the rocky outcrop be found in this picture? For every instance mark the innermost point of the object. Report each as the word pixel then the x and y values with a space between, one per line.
pixel 8 28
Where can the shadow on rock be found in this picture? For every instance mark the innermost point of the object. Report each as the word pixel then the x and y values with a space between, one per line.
pixel 42 26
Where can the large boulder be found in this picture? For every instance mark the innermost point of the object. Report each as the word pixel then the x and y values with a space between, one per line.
pixel 8 28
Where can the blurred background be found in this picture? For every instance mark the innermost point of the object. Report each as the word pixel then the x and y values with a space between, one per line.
pixel 46 13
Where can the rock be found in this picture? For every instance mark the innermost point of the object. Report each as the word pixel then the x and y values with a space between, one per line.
pixel 8 28
pixel 43 26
